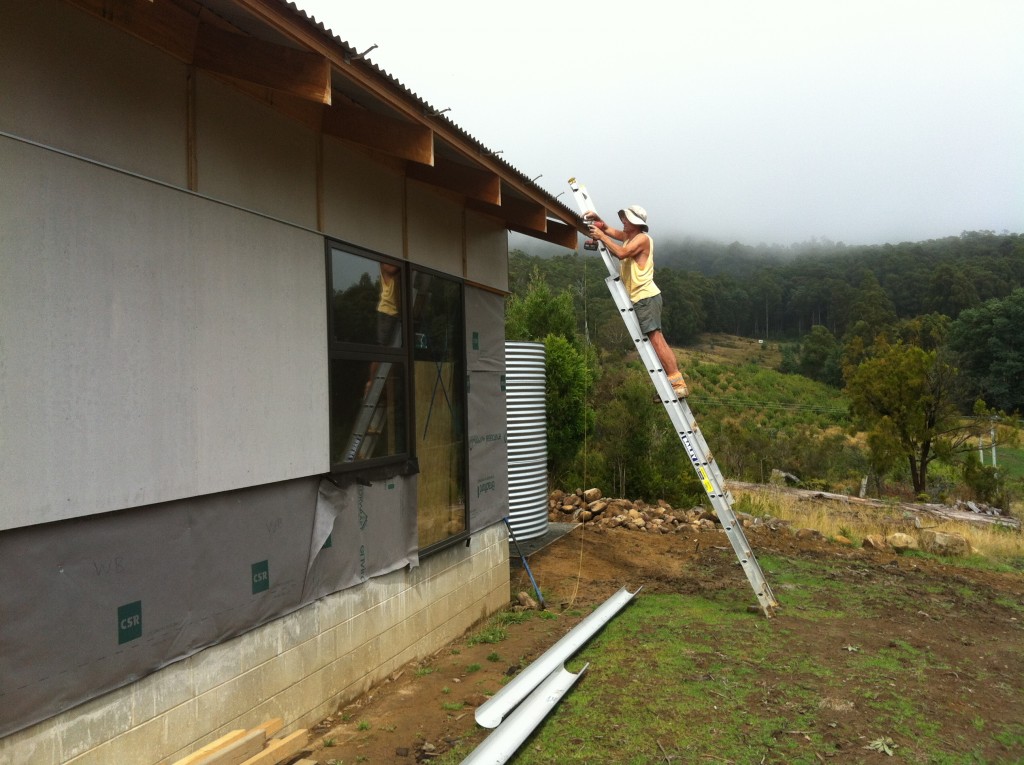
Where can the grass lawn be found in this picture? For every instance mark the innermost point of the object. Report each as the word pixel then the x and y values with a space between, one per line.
pixel 861 665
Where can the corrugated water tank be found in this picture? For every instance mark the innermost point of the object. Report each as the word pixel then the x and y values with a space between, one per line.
pixel 525 390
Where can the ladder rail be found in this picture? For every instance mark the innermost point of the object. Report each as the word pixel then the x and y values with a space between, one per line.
pixel 367 427
pixel 682 418
pixel 364 437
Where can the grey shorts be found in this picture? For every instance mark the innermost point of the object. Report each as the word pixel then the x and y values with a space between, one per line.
pixel 648 313
pixel 388 330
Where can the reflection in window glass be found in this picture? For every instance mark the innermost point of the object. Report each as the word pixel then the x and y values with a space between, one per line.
pixel 368 417
pixel 369 365
pixel 439 392
pixel 366 300
pixel 397 340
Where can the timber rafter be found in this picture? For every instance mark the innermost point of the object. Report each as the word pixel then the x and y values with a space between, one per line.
pixel 290 76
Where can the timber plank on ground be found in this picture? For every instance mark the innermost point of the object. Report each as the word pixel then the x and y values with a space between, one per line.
pixel 280 748
pixel 213 746
pixel 238 751
pixel 250 747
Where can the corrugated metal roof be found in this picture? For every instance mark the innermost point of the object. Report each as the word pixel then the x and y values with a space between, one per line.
pixel 428 109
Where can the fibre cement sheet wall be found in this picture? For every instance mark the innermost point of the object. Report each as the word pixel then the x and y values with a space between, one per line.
pixel 155 345
pixel 488 429
pixel 91 604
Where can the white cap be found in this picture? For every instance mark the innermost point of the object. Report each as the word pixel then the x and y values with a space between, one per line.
pixel 635 214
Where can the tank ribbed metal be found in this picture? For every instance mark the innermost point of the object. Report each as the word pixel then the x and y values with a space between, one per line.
pixel 525 390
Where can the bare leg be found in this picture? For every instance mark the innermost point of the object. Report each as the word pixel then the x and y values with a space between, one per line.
pixel 369 382
pixel 665 355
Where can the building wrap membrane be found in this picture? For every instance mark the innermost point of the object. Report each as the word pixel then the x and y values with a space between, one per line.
pixel 488 430
pixel 91 604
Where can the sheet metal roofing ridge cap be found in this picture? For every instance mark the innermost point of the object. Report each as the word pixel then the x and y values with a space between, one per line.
pixel 428 108
pixel 491 712
pixel 506 739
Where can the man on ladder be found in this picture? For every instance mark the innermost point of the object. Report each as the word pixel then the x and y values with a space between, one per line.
pixel 636 268
pixel 633 269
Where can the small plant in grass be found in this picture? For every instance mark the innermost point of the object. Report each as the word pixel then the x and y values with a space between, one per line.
pixel 363 725
pixel 452 706
pixel 421 671
pixel 548 615
pixel 1013 736
pixel 513 617
pixel 493 656
pixel 473 668
pixel 446 690
pixel 329 742
pixel 491 634
pixel 884 744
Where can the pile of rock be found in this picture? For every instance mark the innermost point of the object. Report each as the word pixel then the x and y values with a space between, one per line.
pixel 938 542
pixel 598 512
pixel 978 507
pixel 593 509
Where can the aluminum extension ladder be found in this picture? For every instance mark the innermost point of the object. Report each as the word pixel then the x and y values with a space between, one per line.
pixel 369 421
pixel 682 418
pixel 368 426
pixel 370 418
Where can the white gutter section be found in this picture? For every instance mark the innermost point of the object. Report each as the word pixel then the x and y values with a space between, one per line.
pixel 498 747
pixel 491 712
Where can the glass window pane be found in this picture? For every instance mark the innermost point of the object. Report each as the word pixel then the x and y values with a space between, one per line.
pixel 366 300
pixel 440 397
pixel 368 413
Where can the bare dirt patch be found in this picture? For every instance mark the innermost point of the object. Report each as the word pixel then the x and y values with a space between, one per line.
pixel 428 707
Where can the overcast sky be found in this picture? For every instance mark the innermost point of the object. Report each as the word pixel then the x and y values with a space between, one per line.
pixel 756 121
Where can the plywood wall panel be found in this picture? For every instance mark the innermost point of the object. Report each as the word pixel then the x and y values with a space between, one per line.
pixel 71 81
pixel 362 199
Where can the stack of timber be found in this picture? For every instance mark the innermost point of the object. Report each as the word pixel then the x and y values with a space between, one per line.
pixel 252 747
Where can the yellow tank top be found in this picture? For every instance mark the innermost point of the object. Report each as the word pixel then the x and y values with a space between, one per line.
pixel 388 302
pixel 639 282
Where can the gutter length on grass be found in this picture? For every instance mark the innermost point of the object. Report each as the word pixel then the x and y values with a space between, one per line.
pixel 491 712
pixel 500 745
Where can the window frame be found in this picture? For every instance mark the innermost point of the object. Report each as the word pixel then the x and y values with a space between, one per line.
pixel 403 463
pixel 462 536
pixel 351 351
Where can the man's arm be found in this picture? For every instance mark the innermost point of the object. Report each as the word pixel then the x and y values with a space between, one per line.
pixel 639 246
pixel 595 220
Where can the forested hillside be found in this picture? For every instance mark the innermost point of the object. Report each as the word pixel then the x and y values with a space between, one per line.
pixel 919 344
pixel 776 292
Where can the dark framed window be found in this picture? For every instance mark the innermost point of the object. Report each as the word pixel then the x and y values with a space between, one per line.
pixel 439 396
pixel 397 354
pixel 369 359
